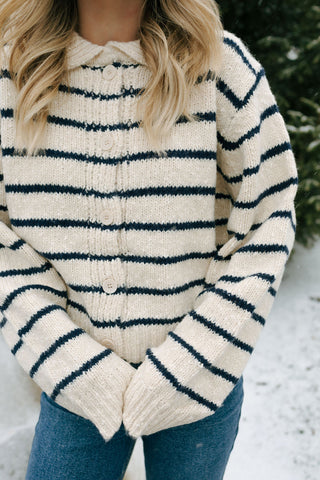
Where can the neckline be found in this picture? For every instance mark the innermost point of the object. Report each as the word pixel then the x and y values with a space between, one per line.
pixel 129 42
pixel 82 50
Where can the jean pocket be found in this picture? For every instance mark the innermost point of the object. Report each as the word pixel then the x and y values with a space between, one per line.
pixel 48 400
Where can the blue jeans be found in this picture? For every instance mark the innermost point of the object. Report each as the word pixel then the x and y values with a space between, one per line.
pixel 67 446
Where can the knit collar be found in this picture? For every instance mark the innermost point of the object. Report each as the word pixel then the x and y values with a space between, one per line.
pixel 82 51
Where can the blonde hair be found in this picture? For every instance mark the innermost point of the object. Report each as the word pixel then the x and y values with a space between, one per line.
pixel 181 42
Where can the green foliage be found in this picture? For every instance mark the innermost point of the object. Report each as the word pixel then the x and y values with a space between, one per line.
pixel 285 38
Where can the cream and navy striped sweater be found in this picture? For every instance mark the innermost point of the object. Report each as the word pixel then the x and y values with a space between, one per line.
pixel 134 286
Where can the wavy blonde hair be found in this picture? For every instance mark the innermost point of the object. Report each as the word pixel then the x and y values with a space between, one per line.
pixel 181 42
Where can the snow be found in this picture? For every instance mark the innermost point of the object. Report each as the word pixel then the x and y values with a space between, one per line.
pixel 279 431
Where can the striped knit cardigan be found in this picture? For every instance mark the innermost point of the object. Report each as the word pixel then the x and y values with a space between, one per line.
pixel 134 286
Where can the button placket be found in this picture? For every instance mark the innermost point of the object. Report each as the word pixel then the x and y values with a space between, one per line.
pixel 113 274
pixel 109 283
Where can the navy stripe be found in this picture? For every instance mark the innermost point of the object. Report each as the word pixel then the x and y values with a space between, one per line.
pixel 27 327
pixel 5 73
pixel 274 214
pixel 276 150
pixel 264 248
pixel 60 222
pixel 228 179
pixel 229 145
pixel 237 278
pixel 277 188
pixel 139 290
pixel 223 196
pixel 235 299
pixel 71 90
pixel 135 322
pixel 3 321
pixel 16 347
pixel 254 315
pixel 54 347
pixel 255 226
pixel 259 318
pixel 174 382
pixel 283 214
pixel 68 122
pixel 79 306
pixel 234 145
pixel 115 63
pixel 95 127
pixel 77 373
pixel 36 316
pixel 14 293
pixel 221 221
pixel 149 321
pixel 139 156
pixel 124 324
pixel 220 331
pixel 25 271
pixel 137 192
pixel 237 102
pixel 17 244
pixel 272 291
pixel 65 256
pixel 201 359
pixel 238 50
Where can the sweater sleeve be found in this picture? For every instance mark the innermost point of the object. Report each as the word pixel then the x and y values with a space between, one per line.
pixel 76 371
pixel 189 375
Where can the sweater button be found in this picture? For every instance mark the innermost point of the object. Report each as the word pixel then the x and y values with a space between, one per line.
pixel 109 285
pixel 109 72
pixel 108 343
pixel 107 217
pixel 108 143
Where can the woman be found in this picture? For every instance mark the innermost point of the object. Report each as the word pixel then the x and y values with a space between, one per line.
pixel 147 214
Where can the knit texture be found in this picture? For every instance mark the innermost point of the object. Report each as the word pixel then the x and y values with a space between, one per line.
pixel 112 255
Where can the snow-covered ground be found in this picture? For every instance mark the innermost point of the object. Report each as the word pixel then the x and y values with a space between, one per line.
pixel 279 432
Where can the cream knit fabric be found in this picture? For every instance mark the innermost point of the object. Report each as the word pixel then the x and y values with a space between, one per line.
pixel 111 255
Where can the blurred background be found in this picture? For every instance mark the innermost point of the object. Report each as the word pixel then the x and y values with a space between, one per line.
pixel 279 431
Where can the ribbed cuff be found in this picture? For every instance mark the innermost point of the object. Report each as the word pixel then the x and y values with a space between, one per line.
pixel 101 397
pixel 140 407
pixel 145 403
